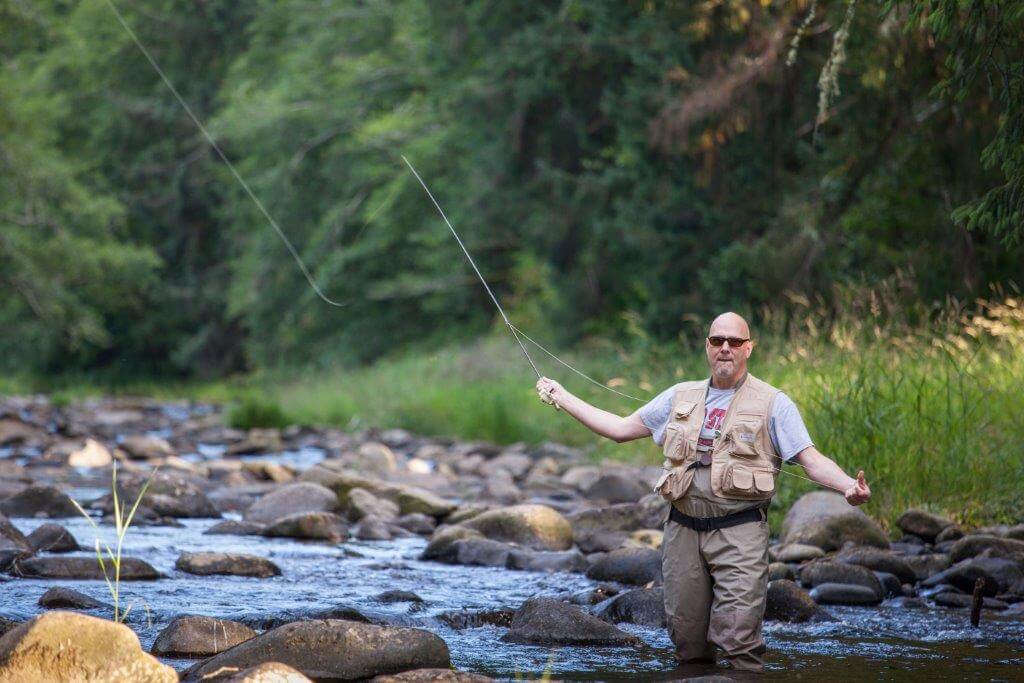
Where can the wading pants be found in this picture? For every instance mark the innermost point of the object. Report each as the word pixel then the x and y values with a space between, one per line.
pixel 715 584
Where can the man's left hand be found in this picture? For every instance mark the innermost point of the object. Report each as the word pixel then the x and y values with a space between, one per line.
pixel 858 493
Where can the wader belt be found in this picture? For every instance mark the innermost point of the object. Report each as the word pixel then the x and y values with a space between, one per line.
pixel 755 514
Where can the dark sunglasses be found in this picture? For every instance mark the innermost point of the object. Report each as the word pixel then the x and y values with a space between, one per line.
pixel 734 342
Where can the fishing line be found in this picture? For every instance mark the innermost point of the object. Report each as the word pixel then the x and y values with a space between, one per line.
pixel 224 158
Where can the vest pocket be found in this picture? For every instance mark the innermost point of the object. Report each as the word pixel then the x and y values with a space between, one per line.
pixel 673 483
pixel 740 481
pixel 743 438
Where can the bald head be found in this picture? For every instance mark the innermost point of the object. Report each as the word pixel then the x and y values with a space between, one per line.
pixel 728 362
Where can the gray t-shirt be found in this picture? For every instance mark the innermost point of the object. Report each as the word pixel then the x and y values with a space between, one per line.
pixel 785 426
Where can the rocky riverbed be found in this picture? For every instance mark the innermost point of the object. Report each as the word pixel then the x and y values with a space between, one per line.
pixel 359 555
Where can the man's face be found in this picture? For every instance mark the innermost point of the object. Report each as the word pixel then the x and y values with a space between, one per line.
pixel 728 362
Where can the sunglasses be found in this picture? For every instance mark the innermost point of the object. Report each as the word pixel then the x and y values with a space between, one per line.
pixel 734 342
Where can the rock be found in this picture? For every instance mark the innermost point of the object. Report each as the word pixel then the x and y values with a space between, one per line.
pixel 844 594
pixel 257 442
pixel 66 646
pixel 516 464
pixel 969 546
pixel 647 538
pixel 786 601
pixel 1006 572
pixel 417 523
pixel 482 552
pixel 442 544
pixel 269 672
pixel 432 676
pixel 334 649
pixel 412 499
pixel 194 637
pixel 12 538
pixel 92 455
pixel 641 606
pixel 607 527
pixel 168 494
pixel 39 501
pixel 924 566
pixel 232 564
pixel 908 603
pixel 963 576
pixel 323 526
pixel 824 571
pixel 501 487
pixel 779 570
pixel 59 597
pixel 795 553
pixel 532 526
pixel 372 528
pixel 950 533
pixel 616 487
pixel 1016 532
pixel 962 600
pixel 547 561
pixel 637 566
pixel 463 619
pixel 7 625
pixel 52 538
pixel 235 528
pixel 390 597
pixel 132 569
pixel 891 586
pixel 877 560
pixel 581 476
pixel 377 458
pixel 146 447
pixel 546 621
pixel 362 503
pixel 923 524
pixel 824 519
pixel 291 499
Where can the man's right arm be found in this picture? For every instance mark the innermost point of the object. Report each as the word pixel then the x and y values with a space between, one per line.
pixel 601 422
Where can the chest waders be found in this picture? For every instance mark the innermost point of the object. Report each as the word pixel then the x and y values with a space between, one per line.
pixel 715 550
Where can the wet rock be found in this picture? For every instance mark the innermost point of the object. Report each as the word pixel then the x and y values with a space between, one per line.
pixel 432 676
pixel 962 600
pixel 59 597
pixel 132 569
pixel 39 501
pixel 257 442
pixel 516 464
pixel 269 672
pixel 641 606
pixel 234 527
pixel 52 538
pixel 616 487
pixel 232 564
pixel 375 457
pixel 908 603
pixel 1006 572
pixel 844 594
pixel 412 499
pixel 795 553
pixel 333 649
pixel 779 570
pixel 1016 532
pixel 195 636
pixel 969 546
pixel 824 519
pixel 15 431
pixel 950 533
pixel 362 503
pixel 501 487
pixel 891 586
pixel 581 477
pixel 877 560
pixel 482 552
pixel 926 565
pixel 322 526
pixel 547 561
pixel 7 625
pixel 390 597
pixel 647 538
pixel 637 566
pixel 168 494
pixel 146 447
pixel 533 526
pixel 963 576
pixel 417 523
pixel 603 540
pixel 11 537
pixel 9 556
pixel 442 544
pixel 291 499
pixel 91 455
pixel 463 619
pixel 605 528
pixel 64 646
pixel 372 528
pixel 786 601
pixel 546 621
pixel 923 524
pixel 823 571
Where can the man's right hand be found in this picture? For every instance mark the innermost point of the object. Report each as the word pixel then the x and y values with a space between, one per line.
pixel 549 390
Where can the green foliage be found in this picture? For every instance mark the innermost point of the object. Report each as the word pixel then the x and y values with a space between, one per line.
pixel 256 411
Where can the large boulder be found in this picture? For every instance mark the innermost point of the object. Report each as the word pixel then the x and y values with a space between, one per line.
pixel 533 526
pixel 332 649
pixel 87 568
pixel 923 524
pixel 879 560
pixel 39 501
pixel 787 601
pixel 323 526
pixel 52 538
pixel 637 566
pixel 547 621
pixel 230 564
pixel 196 636
pixel 65 646
pixel 824 519
pixel 969 546
pixel 823 571
pixel 292 499
pixel 642 606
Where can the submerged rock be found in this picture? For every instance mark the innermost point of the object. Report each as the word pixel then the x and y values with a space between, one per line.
pixel 235 528
pixel 65 646
pixel 824 519
pixel 323 526
pixel 333 649
pixel 232 564
pixel 132 569
pixel 196 636
pixel 52 538
pixel 547 621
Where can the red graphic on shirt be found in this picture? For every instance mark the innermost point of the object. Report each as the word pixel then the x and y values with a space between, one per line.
pixel 715 418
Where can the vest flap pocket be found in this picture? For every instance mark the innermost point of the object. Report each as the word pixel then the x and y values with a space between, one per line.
pixel 742 478
pixel 684 409
pixel 744 439
pixel 764 482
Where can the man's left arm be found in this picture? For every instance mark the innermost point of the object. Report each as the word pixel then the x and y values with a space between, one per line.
pixel 823 470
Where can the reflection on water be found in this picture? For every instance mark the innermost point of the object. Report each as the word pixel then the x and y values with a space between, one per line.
pixel 884 643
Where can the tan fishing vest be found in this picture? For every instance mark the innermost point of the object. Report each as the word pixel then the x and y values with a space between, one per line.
pixel 743 460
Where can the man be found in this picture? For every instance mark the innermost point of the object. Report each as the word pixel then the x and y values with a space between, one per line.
pixel 724 440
